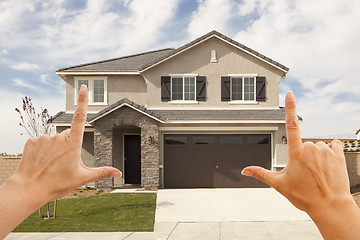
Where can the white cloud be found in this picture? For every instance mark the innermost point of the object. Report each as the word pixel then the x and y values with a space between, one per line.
pixel 318 40
pixel 4 52
pixel 44 78
pixel 24 66
pixel 210 15
pixel 22 83
pixel 99 32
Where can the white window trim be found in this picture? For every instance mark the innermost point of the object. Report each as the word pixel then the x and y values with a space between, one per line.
pixel 91 89
pixel 182 101
pixel 240 102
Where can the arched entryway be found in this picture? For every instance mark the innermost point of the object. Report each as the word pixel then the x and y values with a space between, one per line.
pixel 110 137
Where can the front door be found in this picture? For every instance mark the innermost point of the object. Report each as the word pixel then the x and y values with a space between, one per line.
pixel 132 158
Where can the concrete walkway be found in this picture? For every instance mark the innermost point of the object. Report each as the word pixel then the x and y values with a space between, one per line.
pixel 212 214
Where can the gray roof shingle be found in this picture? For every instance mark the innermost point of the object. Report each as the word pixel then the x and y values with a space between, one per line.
pixel 122 64
pixel 142 61
pixel 274 114
pixel 187 115
pixel 62 117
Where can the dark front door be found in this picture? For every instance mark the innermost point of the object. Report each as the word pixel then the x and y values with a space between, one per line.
pixel 132 154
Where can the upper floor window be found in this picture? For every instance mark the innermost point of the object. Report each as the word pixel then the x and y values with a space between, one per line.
pixel 183 88
pixel 243 88
pixel 97 87
pixel 247 89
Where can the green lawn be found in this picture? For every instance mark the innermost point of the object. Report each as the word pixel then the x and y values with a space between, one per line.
pixel 122 212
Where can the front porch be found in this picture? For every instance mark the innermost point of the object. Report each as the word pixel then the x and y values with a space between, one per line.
pixel 121 137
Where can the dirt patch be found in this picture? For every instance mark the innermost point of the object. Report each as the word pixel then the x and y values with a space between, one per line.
pixel 85 192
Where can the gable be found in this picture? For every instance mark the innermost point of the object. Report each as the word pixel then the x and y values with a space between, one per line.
pixel 230 60
pixel 227 40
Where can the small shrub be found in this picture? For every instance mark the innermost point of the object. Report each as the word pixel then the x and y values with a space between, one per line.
pixel 80 191
pixel 99 191
pixel 75 194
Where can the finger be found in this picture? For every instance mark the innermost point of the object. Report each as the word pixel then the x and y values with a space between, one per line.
pixel 262 174
pixel 79 119
pixel 95 174
pixel 292 123
pixel 337 147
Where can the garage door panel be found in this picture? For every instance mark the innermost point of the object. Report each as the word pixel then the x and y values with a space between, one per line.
pixel 214 160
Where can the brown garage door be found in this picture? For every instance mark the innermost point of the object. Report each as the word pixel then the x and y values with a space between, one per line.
pixel 195 161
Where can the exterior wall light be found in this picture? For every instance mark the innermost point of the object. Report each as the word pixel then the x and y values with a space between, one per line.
pixel 284 140
pixel 150 140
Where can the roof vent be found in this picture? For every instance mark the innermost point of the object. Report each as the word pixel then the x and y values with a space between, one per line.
pixel 213 56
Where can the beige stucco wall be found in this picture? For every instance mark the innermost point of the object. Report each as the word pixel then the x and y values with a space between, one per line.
pixel 118 87
pixel 8 165
pixel 280 149
pixel 231 60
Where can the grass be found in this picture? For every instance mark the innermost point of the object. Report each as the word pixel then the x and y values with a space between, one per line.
pixel 120 212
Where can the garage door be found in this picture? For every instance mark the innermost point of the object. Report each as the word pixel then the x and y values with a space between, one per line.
pixel 197 161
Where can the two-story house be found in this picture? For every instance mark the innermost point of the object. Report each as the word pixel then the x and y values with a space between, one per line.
pixel 189 117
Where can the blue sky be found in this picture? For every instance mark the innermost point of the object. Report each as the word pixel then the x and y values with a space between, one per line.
pixel 318 40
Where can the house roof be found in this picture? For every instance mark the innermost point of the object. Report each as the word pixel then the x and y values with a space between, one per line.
pixel 129 63
pixel 66 118
pixel 128 103
pixel 143 61
pixel 164 116
pixel 218 115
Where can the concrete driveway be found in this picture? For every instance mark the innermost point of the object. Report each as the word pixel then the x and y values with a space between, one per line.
pixel 230 214
pixel 225 205
pixel 219 214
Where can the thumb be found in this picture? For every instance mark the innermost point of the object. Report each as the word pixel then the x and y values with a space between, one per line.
pixel 95 174
pixel 262 174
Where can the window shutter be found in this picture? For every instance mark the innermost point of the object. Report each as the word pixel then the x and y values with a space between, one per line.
pixel 260 89
pixel 165 88
pixel 201 88
pixel 225 89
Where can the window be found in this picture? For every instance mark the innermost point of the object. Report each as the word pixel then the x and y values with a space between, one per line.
pixel 183 88
pixel 236 139
pixel 203 140
pixel 243 89
pixel 175 140
pixel 97 87
pixel 99 91
pixel 258 139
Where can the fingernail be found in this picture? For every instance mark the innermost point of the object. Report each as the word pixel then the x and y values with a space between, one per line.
pixel 83 89
pixel 116 174
pixel 290 96
pixel 245 172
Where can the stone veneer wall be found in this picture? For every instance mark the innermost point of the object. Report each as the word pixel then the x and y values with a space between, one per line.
pixel 353 167
pixel 8 166
pixel 103 142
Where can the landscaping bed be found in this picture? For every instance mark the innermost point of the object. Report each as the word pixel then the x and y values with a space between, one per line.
pixel 85 192
pixel 115 212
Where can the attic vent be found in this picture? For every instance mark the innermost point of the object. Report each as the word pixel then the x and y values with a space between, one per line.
pixel 213 56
